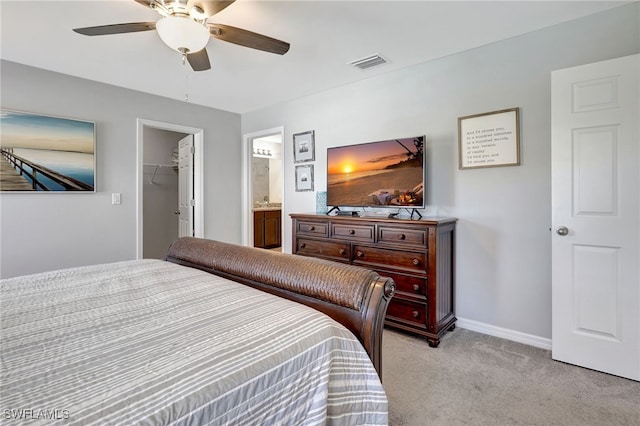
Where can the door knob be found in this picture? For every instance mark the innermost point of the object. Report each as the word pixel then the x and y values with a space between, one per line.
pixel 562 230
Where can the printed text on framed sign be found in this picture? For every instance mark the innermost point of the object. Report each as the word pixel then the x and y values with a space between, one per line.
pixel 490 139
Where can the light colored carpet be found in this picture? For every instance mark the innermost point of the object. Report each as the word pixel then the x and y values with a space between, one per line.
pixel 476 379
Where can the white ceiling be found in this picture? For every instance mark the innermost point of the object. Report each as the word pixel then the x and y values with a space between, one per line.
pixel 324 37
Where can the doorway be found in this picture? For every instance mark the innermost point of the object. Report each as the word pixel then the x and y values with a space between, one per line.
pixel 158 185
pixel 160 210
pixel 263 188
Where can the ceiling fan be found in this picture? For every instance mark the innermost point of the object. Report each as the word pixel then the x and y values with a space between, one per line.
pixel 184 27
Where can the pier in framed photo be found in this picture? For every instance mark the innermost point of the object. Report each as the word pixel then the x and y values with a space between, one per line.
pixel 44 153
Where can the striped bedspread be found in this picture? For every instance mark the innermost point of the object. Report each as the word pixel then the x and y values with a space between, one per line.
pixel 151 342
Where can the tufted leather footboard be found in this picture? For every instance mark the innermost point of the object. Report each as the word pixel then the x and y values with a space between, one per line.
pixel 354 296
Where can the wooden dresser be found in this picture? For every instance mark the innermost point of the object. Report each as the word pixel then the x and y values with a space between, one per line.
pixel 417 254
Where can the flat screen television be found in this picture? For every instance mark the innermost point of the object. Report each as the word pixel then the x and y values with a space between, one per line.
pixel 389 173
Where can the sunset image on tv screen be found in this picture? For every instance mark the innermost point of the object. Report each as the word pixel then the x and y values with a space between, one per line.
pixel 386 173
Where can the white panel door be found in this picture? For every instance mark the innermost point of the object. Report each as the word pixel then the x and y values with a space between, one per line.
pixel 596 216
pixel 185 186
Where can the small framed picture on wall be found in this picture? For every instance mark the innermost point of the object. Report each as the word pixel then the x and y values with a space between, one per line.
pixel 304 178
pixel 304 147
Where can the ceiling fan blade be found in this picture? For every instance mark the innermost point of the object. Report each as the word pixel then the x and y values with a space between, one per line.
pixel 209 7
pixel 248 39
pixel 131 27
pixel 199 61
pixel 145 3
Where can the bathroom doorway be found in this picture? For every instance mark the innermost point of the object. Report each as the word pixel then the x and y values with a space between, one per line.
pixel 263 186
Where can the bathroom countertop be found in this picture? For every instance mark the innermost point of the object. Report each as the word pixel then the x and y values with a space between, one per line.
pixel 266 208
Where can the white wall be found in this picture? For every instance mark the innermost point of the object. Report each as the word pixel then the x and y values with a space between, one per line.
pixel 41 232
pixel 260 179
pixel 503 268
pixel 275 180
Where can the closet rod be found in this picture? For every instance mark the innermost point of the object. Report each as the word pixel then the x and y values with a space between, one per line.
pixel 158 166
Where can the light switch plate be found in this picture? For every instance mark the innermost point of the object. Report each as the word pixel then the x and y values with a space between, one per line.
pixel 115 198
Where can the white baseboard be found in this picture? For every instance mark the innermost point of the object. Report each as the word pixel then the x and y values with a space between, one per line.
pixel 505 333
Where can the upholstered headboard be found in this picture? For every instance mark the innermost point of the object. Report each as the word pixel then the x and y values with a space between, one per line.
pixel 354 296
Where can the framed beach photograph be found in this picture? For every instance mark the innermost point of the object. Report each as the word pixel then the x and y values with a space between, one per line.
pixel 489 139
pixel 40 153
pixel 304 147
pixel 304 178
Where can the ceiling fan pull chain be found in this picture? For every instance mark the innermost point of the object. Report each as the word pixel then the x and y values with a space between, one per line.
pixel 186 76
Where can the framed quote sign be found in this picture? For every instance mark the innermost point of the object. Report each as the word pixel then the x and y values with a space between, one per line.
pixel 490 139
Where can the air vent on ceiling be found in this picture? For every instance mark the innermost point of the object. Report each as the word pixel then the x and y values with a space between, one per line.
pixel 368 62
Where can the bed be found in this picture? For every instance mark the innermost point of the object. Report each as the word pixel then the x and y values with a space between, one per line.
pixel 214 334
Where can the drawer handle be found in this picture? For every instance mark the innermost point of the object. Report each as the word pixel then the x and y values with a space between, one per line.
pixel 415 314
pixel 401 236
pixel 312 228
pixel 359 253
pixel 302 245
pixel 352 231
pixel 342 251
pixel 416 287
pixel 416 262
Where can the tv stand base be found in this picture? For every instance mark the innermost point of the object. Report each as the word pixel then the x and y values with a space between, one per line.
pixel 416 212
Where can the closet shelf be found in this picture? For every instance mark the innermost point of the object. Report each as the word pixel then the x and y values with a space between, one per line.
pixel 158 166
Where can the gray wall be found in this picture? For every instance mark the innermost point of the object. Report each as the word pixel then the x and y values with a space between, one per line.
pixel 41 232
pixel 503 241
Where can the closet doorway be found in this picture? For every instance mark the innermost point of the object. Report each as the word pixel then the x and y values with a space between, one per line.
pixel 169 186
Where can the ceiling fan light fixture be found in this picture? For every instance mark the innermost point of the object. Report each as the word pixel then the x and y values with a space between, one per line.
pixel 183 34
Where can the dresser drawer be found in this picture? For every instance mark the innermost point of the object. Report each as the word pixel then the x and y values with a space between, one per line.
pixel 407 311
pixel 333 250
pixel 409 284
pixel 416 237
pixel 353 232
pixel 320 229
pixel 374 257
